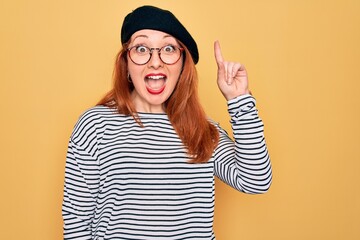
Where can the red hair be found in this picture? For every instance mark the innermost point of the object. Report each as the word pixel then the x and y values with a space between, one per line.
pixel 183 108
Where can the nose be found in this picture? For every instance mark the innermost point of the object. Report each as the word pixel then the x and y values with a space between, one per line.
pixel 155 61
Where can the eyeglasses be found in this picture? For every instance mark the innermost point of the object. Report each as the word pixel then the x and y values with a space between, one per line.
pixel 141 55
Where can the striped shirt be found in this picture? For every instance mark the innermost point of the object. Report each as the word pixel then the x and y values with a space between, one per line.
pixel 124 181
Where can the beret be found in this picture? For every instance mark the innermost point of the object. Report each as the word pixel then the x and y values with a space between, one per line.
pixel 150 17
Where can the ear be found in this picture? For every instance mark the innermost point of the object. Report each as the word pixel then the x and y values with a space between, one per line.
pixel 129 77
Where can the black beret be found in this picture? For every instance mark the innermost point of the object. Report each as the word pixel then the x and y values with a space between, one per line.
pixel 149 17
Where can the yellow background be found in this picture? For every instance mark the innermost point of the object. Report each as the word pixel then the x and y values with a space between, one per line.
pixel 303 61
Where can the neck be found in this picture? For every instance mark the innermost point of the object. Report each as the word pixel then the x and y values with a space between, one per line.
pixel 146 107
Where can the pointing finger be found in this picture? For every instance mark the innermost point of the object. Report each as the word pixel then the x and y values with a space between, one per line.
pixel 218 55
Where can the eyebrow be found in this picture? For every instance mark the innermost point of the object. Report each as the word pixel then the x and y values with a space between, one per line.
pixel 145 36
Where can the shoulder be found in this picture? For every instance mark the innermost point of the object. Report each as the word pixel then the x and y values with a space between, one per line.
pixel 91 120
pixel 97 112
pixel 94 115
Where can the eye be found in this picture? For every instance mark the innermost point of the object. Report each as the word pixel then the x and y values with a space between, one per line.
pixel 141 49
pixel 169 49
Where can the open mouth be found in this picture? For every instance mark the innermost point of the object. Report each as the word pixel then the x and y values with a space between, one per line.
pixel 155 83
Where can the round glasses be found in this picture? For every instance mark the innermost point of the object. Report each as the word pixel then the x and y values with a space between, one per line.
pixel 141 55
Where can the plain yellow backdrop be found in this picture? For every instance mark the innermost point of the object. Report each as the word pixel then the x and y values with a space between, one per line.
pixel 303 61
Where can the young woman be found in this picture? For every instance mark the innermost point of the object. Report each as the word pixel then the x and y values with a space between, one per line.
pixel 141 164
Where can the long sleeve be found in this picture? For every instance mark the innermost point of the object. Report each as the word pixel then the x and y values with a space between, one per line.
pixel 244 163
pixel 81 183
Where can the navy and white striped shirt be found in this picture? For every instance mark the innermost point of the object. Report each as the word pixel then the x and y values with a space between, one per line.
pixel 124 181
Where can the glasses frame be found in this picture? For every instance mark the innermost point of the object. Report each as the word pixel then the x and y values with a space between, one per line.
pixel 151 52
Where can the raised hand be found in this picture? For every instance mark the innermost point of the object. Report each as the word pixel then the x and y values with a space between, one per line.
pixel 232 77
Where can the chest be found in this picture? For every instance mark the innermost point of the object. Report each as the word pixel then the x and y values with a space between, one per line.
pixel 150 154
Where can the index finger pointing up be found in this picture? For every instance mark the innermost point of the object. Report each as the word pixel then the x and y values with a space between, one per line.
pixel 218 55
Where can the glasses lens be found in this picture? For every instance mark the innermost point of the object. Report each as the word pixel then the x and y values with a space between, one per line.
pixel 139 54
pixel 170 54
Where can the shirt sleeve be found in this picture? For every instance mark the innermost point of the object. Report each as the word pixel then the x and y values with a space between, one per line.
pixel 81 183
pixel 244 163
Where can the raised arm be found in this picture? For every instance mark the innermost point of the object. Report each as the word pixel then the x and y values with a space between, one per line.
pixel 243 163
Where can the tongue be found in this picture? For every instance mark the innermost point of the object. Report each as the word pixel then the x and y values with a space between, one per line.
pixel 155 83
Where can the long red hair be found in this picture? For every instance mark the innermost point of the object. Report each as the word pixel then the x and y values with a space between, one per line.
pixel 183 108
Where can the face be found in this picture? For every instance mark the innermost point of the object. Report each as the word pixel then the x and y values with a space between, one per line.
pixel 155 80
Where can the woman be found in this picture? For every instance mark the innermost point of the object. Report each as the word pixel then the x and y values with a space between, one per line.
pixel 141 164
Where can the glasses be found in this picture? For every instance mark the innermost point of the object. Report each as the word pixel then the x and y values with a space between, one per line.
pixel 141 55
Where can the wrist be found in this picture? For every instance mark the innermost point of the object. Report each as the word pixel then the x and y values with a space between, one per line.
pixel 233 96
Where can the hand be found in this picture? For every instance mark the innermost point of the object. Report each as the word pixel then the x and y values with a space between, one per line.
pixel 232 76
